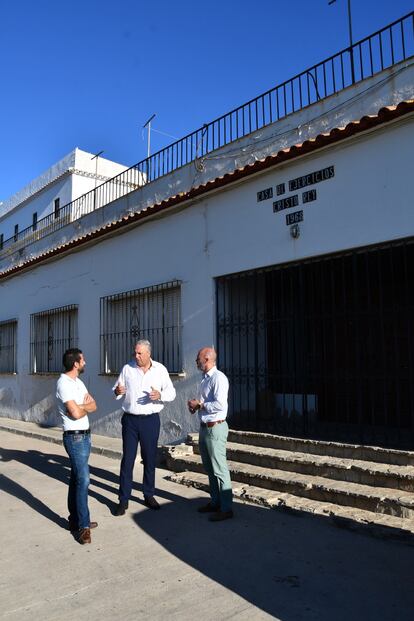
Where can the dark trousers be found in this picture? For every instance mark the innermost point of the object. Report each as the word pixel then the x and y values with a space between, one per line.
pixel 144 430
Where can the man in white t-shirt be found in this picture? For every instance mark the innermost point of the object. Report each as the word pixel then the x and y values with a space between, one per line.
pixel 74 405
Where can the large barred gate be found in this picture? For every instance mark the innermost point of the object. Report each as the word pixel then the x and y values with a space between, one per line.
pixel 323 348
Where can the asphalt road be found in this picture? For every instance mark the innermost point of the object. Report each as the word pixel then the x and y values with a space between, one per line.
pixel 264 564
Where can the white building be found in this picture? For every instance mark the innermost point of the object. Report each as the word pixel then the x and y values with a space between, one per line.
pixel 288 242
pixel 34 210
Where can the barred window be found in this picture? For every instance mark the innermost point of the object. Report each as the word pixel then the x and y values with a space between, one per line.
pixel 51 333
pixel 8 346
pixel 152 313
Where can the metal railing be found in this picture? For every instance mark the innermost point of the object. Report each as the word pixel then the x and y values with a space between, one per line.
pixel 381 50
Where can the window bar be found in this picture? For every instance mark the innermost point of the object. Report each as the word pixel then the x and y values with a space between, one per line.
pixel 270 108
pixel 381 54
pixel 361 64
pixel 371 58
pixel 402 38
pixel 342 70
pixel 392 46
pixel 256 115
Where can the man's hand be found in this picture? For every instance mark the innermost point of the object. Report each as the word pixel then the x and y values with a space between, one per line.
pixel 120 390
pixel 77 411
pixel 193 405
pixel 155 394
pixel 88 404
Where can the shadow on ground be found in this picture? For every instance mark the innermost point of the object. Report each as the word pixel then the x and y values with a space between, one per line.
pixel 58 468
pixel 291 567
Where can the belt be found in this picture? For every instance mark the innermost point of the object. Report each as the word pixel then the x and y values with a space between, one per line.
pixel 76 432
pixel 150 414
pixel 212 423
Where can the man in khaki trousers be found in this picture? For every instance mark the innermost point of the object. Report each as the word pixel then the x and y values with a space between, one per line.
pixel 211 405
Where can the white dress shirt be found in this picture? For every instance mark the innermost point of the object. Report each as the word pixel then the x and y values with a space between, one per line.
pixel 139 384
pixel 214 389
pixel 68 389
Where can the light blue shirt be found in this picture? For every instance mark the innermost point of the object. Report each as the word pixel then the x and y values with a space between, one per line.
pixel 214 390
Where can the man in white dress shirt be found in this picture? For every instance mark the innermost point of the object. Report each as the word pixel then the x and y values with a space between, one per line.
pixel 211 405
pixel 145 386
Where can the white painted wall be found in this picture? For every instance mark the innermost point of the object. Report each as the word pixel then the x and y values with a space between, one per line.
pixel 369 200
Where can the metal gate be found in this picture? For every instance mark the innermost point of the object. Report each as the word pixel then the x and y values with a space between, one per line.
pixel 323 348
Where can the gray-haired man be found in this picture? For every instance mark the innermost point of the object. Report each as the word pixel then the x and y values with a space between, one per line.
pixel 145 386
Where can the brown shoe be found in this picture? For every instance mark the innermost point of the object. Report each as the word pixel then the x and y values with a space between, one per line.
pixel 208 508
pixel 84 535
pixel 221 515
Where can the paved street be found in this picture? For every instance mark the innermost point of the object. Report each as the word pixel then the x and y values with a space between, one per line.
pixel 173 563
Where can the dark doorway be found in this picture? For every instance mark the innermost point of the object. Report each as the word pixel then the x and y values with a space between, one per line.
pixel 323 348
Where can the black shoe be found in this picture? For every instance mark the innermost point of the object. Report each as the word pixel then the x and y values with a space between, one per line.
pixel 208 508
pixel 121 508
pixel 221 515
pixel 151 503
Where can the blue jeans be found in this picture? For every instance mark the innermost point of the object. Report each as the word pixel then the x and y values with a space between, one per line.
pixel 78 447
pixel 212 443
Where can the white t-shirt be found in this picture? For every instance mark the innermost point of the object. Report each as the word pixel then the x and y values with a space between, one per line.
pixel 69 389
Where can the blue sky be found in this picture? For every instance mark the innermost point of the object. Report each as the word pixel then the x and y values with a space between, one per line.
pixel 90 73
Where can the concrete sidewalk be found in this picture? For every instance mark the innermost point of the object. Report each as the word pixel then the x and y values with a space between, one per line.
pixel 102 445
pixel 173 563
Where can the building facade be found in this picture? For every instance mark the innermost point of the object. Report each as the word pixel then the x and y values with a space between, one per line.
pixel 289 248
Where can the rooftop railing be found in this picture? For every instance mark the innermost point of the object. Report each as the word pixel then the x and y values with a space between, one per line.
pixel 377 52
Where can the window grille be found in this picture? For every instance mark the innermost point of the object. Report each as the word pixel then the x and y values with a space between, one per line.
pixel 8 346
pixel 152 313
pixel 51 333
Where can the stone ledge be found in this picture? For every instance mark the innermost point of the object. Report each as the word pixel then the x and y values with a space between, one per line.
pixel 321 447
pixel 342 469
pixel 378 525
pixel 364 497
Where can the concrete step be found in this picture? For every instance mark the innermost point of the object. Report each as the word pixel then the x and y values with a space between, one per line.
pixel 341 469
pixel 316 447
pixel 377 524
pixel 371 498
